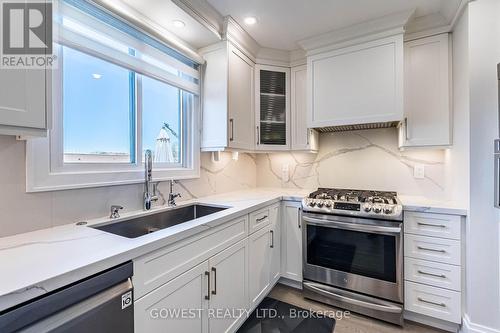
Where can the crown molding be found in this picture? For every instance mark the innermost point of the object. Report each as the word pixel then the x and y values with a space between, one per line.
pixel 234 33
pixel 204 13
pixel 381 27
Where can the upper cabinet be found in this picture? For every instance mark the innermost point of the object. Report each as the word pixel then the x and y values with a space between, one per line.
pixel 228 99
pixel 23 102
pixel 427 117
pixel 272 112
pixel 359 84
pixel 302 137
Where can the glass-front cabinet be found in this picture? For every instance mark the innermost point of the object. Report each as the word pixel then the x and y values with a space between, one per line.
pixel 272 107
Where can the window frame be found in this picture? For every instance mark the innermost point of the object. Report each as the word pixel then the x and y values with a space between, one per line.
pixel 45 167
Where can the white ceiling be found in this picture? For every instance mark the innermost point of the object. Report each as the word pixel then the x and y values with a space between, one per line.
pixel 281 23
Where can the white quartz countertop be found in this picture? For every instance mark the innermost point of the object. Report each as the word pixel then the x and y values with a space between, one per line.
pixel 422 204
pixel 38 262
pixel 41 261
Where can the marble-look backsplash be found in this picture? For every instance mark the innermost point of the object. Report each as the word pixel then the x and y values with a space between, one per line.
pixel 368 159
pixel 22 212
pixel 362 159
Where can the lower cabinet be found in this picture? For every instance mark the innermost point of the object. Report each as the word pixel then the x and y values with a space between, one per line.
pixel 200 299
pixel 162 309
pixel 275 216
pixel 291 247
pixel 229 288
pixel 259 244
pixel 207 283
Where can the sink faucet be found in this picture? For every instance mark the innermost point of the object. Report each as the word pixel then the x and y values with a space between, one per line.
pixel 172 195
pixel 149 187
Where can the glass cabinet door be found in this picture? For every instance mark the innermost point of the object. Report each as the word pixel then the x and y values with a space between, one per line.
pixel 273 107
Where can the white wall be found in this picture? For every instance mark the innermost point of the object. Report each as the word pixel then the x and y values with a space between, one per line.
pixel 22 212
pixel 483 279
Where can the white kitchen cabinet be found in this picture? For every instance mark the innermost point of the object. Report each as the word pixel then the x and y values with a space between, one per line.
pixel 23 102
pixel 272 107
pixel 302 137
pixel 427 116
pixel 229 286
pixel 433 266
pixel 228 99
pixel 259 244
pixel 161 310
pixel 291 246
pixel 360 84
pixel 275 217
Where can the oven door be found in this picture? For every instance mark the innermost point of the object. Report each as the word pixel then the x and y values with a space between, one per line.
pixel 357 254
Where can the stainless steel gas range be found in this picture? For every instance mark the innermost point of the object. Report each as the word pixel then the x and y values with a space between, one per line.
pixel 353 251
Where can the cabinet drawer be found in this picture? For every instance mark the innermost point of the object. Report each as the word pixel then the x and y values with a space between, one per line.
pixel 259 219
pixel 434 302
pixel 156 268
pixel 435 225
pixel 434 249
pixel 433 273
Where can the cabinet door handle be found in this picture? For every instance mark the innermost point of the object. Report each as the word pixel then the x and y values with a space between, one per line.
pixel 299 215
pixel 308 135
pixel 432 274
pixel 432 225
pixel 261 219
pixel 406 129
pixel 430 302
pixel 429 249
pixel 272 239
pixel 214 292
pixel 231 122
pixel 207 274
pixel 258 136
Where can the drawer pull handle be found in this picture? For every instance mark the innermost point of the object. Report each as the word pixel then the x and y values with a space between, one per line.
pixel 207 274
pixel 261 219
pixel 432 274
pixel 428 249
pixel 430 302
pixel 432 225
pixel 214 292
pixel 272 239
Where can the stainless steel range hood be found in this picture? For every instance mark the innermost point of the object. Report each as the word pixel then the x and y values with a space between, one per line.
pixel 357 127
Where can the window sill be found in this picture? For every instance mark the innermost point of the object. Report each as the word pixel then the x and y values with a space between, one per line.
pixel 41 178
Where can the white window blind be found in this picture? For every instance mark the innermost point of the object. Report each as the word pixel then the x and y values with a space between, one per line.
pixel 91 29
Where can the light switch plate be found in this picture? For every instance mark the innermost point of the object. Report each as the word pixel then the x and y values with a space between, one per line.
pixel 419 171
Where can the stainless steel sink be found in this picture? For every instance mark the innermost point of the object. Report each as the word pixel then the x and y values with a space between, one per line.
pixel 143 225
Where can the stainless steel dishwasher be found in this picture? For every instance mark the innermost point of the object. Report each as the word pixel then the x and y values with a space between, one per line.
pixel 100 303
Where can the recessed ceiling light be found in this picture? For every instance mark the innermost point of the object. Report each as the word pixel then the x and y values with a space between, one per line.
pixel 178 24
pixel 96 76
pixel 250 20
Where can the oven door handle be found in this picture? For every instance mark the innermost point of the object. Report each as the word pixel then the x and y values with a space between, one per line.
pixel 380 307
pixel 354 226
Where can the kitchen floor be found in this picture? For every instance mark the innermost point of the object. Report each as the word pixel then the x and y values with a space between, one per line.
pixel 354 324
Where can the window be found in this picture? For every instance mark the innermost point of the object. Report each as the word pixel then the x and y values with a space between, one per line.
pixel 116 93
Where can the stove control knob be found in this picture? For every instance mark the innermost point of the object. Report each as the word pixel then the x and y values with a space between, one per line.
pixel 377 209
pixel 388 210
pixel 367 208
pixel 312 203
pixel 320 204
pixel 328 204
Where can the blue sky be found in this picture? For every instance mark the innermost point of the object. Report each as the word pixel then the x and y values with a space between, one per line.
pixel 96 111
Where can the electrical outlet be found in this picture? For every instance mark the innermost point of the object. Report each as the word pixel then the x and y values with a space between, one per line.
pixel 285 173
pixel 419 171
